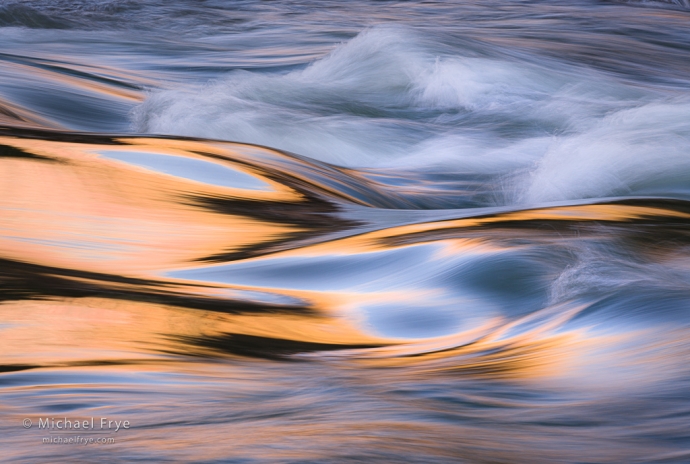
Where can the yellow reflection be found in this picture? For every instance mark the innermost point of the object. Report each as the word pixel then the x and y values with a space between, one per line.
pixel 82 211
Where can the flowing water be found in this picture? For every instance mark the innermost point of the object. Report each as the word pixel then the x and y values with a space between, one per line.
pixel 365 231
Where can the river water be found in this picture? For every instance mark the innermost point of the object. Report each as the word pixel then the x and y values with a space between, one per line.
pixel 365 231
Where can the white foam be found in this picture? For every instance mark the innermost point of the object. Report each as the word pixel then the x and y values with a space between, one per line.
pixel 389 97
pixel 371 101
pixel 634 151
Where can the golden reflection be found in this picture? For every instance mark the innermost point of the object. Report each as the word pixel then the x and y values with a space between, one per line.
pixel 64 205
pixel 490 350
pixel 98 331
pixel 385 239
pixel 83 211
pixel 78 331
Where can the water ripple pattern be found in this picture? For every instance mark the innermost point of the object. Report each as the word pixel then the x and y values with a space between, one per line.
pixel 306 232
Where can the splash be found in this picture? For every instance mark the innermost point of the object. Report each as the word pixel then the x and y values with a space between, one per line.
pixel 385 99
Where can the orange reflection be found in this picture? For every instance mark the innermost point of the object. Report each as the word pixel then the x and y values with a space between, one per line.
pixel 82 211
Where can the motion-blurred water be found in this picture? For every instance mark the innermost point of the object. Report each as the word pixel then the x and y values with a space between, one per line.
pixel 362 231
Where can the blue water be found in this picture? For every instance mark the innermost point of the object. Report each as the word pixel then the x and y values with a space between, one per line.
pixel 371 231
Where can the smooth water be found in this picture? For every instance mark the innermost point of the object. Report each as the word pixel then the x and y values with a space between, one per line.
pixel 366 231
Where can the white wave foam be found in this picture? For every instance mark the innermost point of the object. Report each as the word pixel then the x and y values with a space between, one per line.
pixel 644 150
pixel 390 97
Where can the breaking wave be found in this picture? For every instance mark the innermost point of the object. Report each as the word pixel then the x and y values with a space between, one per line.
pixel 388 97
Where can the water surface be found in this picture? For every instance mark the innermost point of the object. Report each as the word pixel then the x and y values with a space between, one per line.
pixel 311 232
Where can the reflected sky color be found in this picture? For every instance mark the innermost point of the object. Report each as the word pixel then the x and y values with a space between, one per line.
pixel 132 280
pixel 308 232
